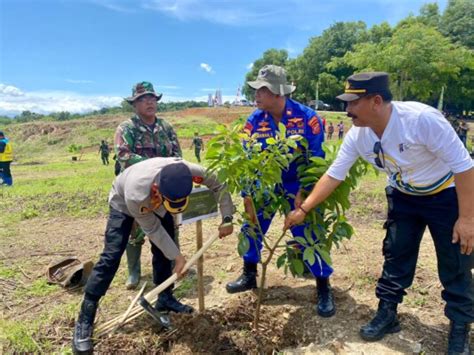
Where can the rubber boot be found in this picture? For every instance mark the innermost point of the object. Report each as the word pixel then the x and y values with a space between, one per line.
pixel 134 265
pixel 384 322
pixel 8 180
pixel 325 307
pixel 246 281
pixel 458 340
pixel 167 302
pixel 82 338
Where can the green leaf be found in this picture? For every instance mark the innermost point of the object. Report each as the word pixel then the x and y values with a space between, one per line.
pixel 324 254
pixel 281 260
pixel 298 266
pixel 301 241
pixel 308 255
pixel 243 246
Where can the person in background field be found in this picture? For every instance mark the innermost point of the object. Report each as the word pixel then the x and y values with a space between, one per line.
pixel 463 128
pixel 149 192
pixel 430 183
pixel 104 152
pixel 142 137
pixel 273 108
pixel 6 158
pixel 330 130
pixel 340 130
pixel 198 146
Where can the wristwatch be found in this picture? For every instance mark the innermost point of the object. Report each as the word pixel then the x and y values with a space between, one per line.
pixel 227 219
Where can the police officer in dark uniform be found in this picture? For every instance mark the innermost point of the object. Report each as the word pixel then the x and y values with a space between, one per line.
pixel 149 192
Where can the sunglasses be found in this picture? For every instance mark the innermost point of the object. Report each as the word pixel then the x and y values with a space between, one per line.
pixel 378 151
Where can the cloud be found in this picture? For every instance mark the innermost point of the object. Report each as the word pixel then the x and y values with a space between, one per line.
pixel 200 98
pixel 169 87
pixel 74 81
pixel 249 66
pixel 222 12
pixel 114 5
pixel 8 90
pixel 206 67
pixel 13 101
pixel 214 89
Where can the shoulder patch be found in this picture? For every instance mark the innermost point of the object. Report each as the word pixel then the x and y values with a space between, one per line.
pixel 314 124
pixel 248 128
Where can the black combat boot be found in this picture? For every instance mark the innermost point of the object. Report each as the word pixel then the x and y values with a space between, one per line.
pixel 246 281
pixel 458 341
pixel 384 322
pixel 326 307
pixel 167 302
pixel 82 338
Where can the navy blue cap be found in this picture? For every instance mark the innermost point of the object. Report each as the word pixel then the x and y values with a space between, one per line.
pixel 1 134
pixel 175 183
pixel 362 84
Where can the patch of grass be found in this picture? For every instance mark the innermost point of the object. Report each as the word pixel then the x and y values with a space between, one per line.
pixel 18 336
pixel 28 337
pixel 9 272
pixel 38 288
pixel 186 128
pixel 222 275
pixel 185 286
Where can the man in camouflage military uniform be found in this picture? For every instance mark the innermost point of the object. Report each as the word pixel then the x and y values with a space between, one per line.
pixel 104 152
pixel 142 137
pixel 198 146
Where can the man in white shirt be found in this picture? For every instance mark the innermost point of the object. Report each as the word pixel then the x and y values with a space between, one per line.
pixel 430 183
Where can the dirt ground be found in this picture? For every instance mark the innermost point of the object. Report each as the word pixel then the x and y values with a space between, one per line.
pixel 288 323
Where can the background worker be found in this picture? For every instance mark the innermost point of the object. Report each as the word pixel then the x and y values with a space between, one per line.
pixel 198 146
pixel 6 158
pixel 104 152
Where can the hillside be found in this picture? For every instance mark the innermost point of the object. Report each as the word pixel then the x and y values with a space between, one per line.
pixel 39 141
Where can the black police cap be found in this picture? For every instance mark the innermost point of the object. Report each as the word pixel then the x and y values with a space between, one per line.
pixel 359 85
pixel 175 183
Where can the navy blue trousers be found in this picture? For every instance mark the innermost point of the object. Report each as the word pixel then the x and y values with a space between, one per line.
pixel 119 226
pixel 408 217
pixel 319 269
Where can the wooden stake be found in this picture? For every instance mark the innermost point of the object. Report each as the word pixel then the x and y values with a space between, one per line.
pixel 200 267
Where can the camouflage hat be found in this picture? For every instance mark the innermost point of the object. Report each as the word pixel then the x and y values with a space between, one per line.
pixel 274 78
pixel 142 88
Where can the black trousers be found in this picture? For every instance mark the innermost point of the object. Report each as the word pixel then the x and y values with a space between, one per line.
pixel 5 168
pixel 119 226
pixel 407 219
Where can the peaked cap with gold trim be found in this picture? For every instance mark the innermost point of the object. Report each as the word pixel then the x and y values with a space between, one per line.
pixel 359 85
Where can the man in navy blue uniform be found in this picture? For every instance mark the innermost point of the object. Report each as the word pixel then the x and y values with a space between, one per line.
pixel 275 107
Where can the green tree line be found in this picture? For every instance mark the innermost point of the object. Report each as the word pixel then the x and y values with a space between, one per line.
pixel 421 53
